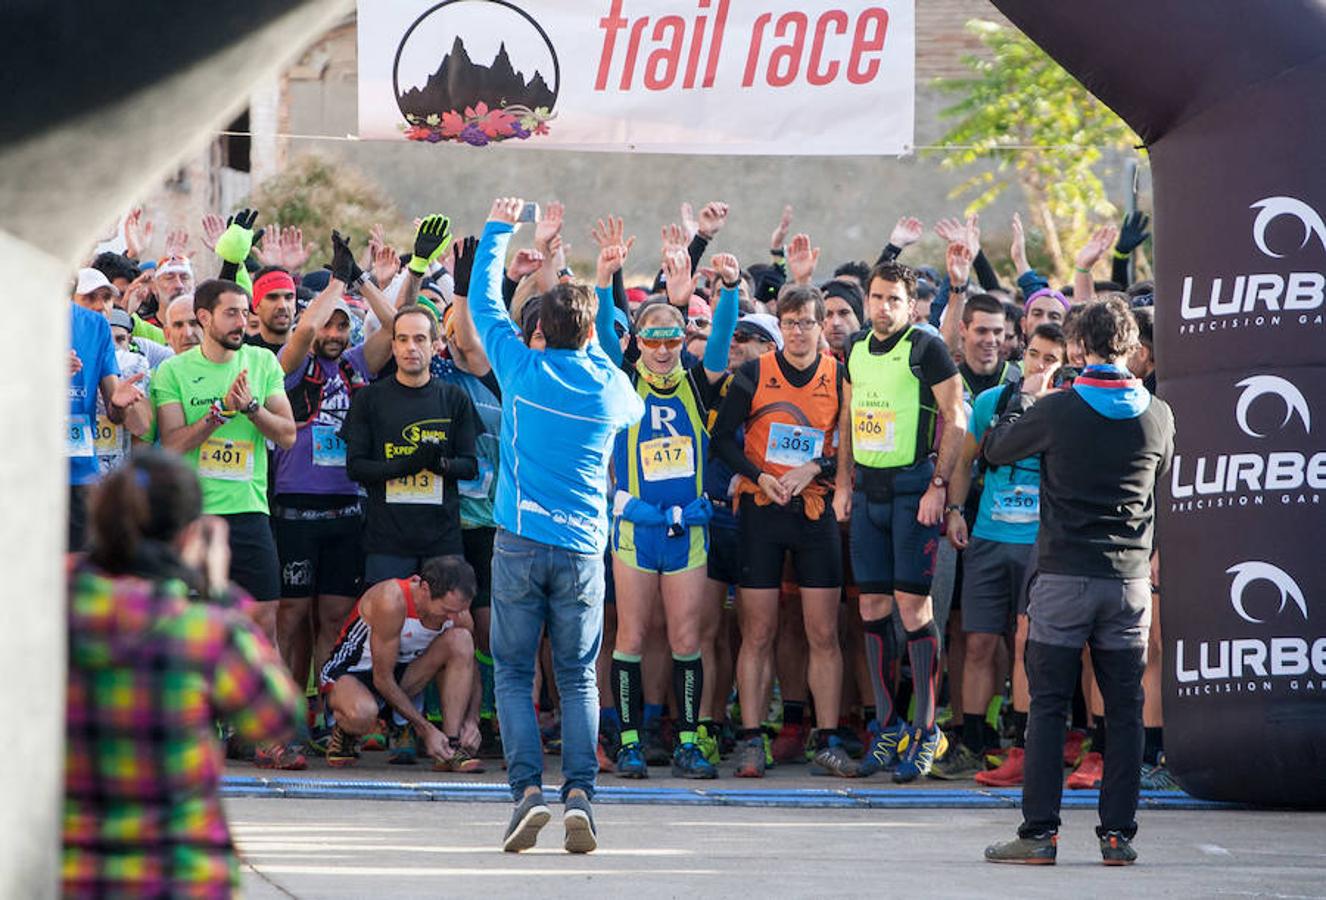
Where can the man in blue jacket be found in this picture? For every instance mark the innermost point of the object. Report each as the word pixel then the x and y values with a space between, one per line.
pixel 561 408
pixel 1102 445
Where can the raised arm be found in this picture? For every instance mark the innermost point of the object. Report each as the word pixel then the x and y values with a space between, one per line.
pixel 498 334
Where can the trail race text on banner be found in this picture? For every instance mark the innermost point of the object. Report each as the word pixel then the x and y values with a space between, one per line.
pixel 657 76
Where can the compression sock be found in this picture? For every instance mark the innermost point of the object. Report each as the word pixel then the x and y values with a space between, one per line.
pixel 794 712
pixel 629 683
pixel 687 683
pixel 923 651
pixel 1098 736
pixel 1020 729
pixel 973 733
pixel 879 660
pixel 1153 746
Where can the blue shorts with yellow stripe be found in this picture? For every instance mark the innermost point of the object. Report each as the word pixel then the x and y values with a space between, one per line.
pixel 649 549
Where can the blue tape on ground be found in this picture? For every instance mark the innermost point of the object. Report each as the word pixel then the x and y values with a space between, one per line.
pixel 786 798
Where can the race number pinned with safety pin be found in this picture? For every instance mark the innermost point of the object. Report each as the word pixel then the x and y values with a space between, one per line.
pixel 422 488
pixel 668 457
pixel 226 460
pixel 873 430
pixel 793 445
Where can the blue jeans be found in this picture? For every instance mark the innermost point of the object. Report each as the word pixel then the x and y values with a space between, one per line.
pixel 538 586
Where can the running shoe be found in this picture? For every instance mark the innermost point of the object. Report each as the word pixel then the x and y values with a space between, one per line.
pixel 375 740
pixel 689 762
pixel 1029 851
pixel 461 761
pixel 707 741
pixel 652 745
pixel 750 757
pixel 631 761
pixel 1116 850
pixel 1074 747
pixel 886 747
pixel 919 756
pixel 402 748
pixel 995 758
pixel 318 740
pixel 286 757
pixel 769 761
pixel 342 749
pixel 1158 778
pixel 1087 776
pixel 790 744
pixel 958 764
pixel 578 821
pixel 832 758
pixel 530 815
pixel 1009 774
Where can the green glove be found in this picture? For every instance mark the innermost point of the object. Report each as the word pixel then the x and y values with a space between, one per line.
pixel 235 243
pixel 430 241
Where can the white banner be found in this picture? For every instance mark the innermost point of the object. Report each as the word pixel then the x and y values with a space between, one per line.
pixel 657 76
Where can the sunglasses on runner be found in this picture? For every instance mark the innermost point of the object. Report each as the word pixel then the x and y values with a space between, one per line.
pixel 655 343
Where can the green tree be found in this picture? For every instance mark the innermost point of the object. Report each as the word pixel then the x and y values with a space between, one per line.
pixel 318 194
pixel 1042 129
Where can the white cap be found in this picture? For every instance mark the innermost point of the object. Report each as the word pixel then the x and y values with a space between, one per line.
pixel 90 280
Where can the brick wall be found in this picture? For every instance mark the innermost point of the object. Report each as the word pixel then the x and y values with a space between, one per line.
pixel 942 38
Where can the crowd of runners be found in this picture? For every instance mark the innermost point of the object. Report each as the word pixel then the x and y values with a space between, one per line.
pixel 477 505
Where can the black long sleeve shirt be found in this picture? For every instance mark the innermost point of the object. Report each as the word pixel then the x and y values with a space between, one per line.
pixel 408 447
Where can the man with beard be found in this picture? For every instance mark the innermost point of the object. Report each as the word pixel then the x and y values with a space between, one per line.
pixel 903 384
pixel 217 405
pixel 316 512
pixel 274 304
pixel 842 313
pixel 148 296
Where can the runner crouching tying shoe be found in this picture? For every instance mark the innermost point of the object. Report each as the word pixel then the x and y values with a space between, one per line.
pixel 402 634
pixel 788 403
pixel 660 516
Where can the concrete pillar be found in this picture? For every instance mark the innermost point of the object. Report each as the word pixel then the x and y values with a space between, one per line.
pixel 67 167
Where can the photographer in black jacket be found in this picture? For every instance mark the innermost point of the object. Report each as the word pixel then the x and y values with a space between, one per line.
pixel 1103 444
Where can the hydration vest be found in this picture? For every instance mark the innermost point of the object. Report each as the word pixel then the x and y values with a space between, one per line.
pixel 886 405
pixel 306 396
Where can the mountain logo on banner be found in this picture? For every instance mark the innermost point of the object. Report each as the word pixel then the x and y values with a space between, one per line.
pixel 1273 208
pixel 1261 385
pixel 1248 573
pixel 477 95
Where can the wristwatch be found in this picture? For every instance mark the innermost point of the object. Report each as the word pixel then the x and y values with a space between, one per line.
pixel 938 482
pixel 958 289
pixel 953 507
pixel 252 406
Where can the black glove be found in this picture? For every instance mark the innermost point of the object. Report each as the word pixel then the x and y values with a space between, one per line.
pixel 465 254
pixel 440 462
pixel 343 266
pixel 1132 233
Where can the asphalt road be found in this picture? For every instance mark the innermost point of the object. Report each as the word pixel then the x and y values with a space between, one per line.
pixel 334 848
